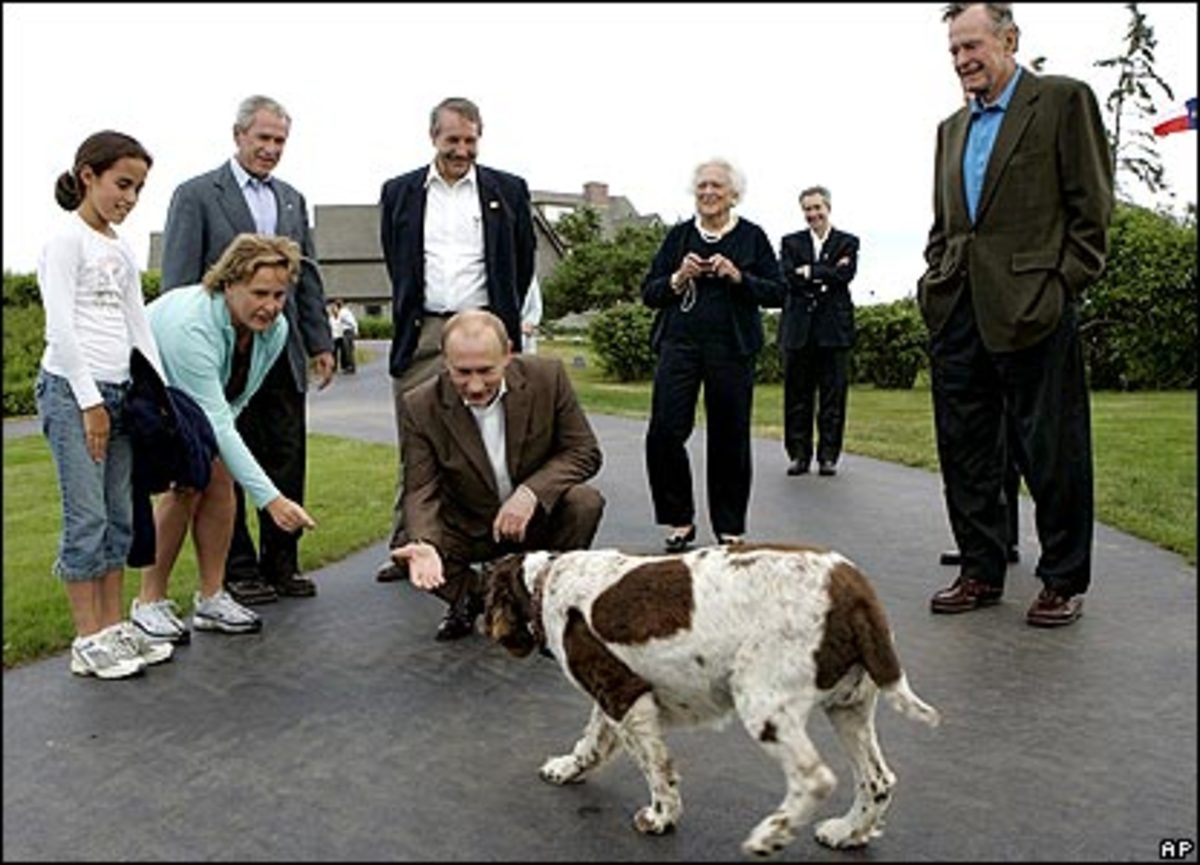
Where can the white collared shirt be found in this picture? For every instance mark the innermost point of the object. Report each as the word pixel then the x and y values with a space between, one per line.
pixel 819 242
pixel 455 273
pixel 260 198
pixel 490 420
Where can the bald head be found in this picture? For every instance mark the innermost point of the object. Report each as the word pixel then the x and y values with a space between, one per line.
pixel 477 351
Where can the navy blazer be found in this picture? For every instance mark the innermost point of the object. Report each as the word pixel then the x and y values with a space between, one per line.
pixel 207 213
pixel 508 248
pixel 818 310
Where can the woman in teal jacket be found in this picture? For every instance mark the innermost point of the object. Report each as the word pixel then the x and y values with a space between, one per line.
pixel 217 341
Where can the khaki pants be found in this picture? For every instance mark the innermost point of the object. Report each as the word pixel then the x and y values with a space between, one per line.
pixel 426 363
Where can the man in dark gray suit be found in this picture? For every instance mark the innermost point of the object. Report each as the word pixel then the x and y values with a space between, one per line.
pixel 455 235
pixel 205 214
pixel 816 332
pixel 1023 193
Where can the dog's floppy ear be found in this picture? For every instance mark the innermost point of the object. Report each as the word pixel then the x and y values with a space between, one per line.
pixel 507 608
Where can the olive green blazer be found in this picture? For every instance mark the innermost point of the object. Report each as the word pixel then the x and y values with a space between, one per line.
pixel 1040 235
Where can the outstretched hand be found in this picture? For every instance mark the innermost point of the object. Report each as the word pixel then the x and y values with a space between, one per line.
pixel 424 564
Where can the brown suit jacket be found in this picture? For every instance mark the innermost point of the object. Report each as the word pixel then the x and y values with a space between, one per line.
pixel 448 481
pixel 1041 230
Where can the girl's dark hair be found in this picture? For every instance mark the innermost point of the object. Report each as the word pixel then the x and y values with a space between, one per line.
pixel 100 152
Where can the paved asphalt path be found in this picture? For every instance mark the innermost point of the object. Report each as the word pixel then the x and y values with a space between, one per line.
pixel 344 732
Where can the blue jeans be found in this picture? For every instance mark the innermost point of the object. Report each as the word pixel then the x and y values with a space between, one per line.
pixel 97 497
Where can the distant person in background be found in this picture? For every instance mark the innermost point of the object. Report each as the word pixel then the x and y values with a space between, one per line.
pixel 95 317
pixel 1023 194
pixel 816 332
pixel 531 317
pixel 243 195
pixel 706 284
pixel 455 235
pixel 219 341
pixel 344 327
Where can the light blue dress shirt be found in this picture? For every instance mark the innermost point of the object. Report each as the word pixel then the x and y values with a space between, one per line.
pixel 981 137
pixel 260 198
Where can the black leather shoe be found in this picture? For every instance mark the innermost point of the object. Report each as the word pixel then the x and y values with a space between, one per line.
pixel 678 543
pixel 251 592
pixel 826 469
pixel 296 586
pixel 459 620
pixel 797 467
pixel 965 594
pixel 391 572
pixel 954 557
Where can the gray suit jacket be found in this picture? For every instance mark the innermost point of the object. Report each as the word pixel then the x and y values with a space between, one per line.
pixel 206 213
pixel 1040 235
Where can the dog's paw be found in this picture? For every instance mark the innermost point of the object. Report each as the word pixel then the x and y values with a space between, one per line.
pixel 652 821
pixel 561 770
pixel 841 834
pixel 770 836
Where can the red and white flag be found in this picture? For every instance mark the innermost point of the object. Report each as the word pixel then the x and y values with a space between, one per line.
pixel 1180 123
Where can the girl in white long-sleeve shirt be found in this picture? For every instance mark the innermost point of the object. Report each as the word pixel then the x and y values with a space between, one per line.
pixel 95 316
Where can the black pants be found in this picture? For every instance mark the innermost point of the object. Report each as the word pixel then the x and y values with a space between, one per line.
pixel 343 352
pixel 728 380
pixel 273 426
pixel 806 372
pixel 1042 392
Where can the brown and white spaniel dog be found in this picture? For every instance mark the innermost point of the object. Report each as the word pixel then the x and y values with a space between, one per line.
pixel 769 632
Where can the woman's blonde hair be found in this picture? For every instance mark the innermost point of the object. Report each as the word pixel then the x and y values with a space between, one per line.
pixel 246 253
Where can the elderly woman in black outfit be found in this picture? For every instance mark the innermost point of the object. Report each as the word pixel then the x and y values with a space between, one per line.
pixel 709 279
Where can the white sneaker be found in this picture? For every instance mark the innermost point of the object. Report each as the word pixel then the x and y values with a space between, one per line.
pixel 157 620
pixel 222 613
pixel 131 636
pixel 98 656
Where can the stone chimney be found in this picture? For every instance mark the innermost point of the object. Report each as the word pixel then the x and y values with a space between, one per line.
pixel 595 193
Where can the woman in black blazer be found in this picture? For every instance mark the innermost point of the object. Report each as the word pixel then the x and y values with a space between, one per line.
pixel 707 282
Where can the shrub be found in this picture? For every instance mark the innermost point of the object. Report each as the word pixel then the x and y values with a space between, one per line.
pixel 1138 322
pixel 768 367
pixel 24 327
pixel 20 289
pixel 620 339
pixel 151 284
pixel 374 327
pixel 890 346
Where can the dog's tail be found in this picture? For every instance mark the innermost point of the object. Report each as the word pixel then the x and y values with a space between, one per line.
pixel 902 698
pixel 877 651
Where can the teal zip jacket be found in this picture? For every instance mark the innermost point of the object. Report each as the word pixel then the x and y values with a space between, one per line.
pixel 195 339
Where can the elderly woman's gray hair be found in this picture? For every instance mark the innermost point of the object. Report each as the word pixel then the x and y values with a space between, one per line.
pixel 737 180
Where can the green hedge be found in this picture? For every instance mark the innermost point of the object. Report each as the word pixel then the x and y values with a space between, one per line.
pixel 620 339
pixel 890 345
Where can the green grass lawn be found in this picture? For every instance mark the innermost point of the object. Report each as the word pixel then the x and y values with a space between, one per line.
pixel 350 493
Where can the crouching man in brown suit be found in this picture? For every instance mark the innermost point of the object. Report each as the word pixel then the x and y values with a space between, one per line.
pixel 496 452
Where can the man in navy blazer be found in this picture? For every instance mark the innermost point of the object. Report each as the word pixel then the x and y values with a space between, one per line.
pixel 205 214
pixel 455 235
pixel 816 332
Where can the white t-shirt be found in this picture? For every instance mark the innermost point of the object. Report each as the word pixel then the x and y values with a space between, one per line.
pixel 95 313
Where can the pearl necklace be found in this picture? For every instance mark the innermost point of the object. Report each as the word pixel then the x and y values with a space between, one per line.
pixel 713 236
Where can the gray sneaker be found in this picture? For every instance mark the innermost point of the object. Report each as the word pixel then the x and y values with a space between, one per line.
pixel 222 613
pixel 131 636
pixel 100 656
pixel 157 620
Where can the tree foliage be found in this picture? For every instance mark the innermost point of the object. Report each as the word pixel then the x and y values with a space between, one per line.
pixel 1130 104
pixel 599 272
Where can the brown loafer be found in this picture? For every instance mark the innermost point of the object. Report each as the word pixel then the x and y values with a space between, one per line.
pixel 1052 610
pixel 965 594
